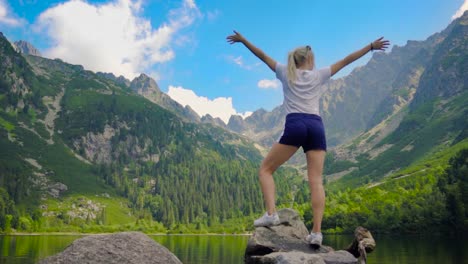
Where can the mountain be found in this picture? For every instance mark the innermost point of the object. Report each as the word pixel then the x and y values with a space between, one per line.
pixel 408 172
pixel 27 48
pixel 81 150
pixel 148 88
pixel 446 73
pixel 262 126
pixel 208 119
pixel 120 80
pixel 434 118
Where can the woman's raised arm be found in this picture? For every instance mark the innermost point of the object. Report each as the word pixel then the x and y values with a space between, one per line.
pixel 379 44
pixel 237 37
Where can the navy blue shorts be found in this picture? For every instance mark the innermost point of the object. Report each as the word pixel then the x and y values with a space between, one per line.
pixel 304 130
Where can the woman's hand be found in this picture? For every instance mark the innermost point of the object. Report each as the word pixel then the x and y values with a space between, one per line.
pixel 380 44
pixel 236 37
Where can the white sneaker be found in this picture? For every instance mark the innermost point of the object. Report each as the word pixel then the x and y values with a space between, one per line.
pixel 267 220
pixel 315 238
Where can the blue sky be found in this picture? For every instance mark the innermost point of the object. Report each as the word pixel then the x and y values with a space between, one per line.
pixel 182 44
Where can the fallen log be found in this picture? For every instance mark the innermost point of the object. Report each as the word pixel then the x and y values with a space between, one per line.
pixel 362 244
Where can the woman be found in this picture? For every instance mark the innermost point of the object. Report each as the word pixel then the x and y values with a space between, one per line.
pixel 302 84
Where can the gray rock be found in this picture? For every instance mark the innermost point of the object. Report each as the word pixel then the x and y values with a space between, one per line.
pixel 297 257
pixel 56 189
pixel 293 257
pixel 286 243
pixel 125 247
pixel 338 257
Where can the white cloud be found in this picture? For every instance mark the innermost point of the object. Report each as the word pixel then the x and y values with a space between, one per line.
pixel 239 60
pixel 7 18
pixel 461 10
pixel 113 37
pixel 219 107
pixel 268 84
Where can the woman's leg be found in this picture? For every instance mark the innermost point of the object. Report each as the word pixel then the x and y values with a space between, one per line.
pixel 278 155
pixel 315 160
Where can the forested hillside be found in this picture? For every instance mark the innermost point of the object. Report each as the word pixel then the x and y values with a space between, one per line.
pixel 81 151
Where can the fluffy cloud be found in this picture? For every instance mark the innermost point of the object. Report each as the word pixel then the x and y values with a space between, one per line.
pixel 6 17
pixel 461 10
pixel 112 37
pixel 219 107
pixel 268 84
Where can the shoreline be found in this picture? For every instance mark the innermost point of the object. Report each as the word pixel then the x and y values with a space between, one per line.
pixel 89 234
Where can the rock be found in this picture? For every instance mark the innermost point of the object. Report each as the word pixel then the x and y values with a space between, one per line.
pixel 286 243
pixel 297 257
pixel 56 189
pixel 293 257
pixel 339 257
pixel 125 247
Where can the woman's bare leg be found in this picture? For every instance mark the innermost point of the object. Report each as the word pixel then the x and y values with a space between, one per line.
pixel 278 155
pixel 315 160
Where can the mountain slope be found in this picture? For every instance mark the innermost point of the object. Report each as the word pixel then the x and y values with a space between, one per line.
pixel 435 119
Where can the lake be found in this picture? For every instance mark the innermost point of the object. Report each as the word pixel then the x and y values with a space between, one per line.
pixel 205 249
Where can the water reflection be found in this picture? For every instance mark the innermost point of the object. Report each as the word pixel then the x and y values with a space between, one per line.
pixel 194 249
pixel 205 249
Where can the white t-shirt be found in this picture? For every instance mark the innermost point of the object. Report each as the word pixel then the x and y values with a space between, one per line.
pixel 304 95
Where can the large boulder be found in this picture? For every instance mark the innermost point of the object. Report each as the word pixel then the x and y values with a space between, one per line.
pixel 125 247
pixel 286 244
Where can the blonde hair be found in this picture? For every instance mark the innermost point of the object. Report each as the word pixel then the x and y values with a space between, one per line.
pixel 296 58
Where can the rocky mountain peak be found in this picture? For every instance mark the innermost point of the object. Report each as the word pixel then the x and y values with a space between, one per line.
pixel 121 79
pixel 27 48
pixel 148 88
pixel 236 124
pixel 144 83
pixel 212 120
pixel 189 113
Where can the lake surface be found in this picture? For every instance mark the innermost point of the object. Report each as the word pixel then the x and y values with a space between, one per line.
pixel 195 249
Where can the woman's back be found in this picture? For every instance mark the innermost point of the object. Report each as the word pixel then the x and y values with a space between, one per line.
pixel 303 94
